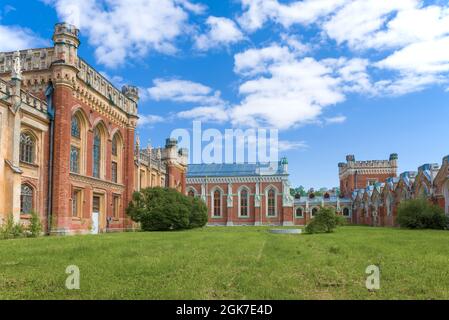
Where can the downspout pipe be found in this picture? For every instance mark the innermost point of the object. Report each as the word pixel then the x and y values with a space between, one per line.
pixel 51 114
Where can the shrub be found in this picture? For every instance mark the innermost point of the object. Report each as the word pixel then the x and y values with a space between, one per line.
pixel 162 209
pixel 35 227
pixel 10 229
pixel 325 221
pixel 420 214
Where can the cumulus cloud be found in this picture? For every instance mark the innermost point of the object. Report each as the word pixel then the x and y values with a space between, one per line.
pixel 222 32
pixel 148 120
pixel 183 91
pixel 128 29
pixel 258 12
pixel 206 114
pixel 14 38
pixel 282 89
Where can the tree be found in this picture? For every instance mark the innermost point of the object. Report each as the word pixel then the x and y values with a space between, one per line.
pixel 163 209
pixel 420 214
pixel 324 221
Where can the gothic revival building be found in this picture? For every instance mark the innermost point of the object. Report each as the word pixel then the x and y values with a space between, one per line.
pixel 376 190
pixel 67 142
pixel 244 194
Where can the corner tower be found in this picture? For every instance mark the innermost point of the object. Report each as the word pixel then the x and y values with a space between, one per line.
pixel 360 174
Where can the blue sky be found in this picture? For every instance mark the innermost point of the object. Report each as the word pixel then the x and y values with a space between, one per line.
pixel 336 77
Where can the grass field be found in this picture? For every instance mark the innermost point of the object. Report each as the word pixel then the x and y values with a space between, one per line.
pixel 229 263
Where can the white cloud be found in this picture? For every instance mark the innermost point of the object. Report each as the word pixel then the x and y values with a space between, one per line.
pixel 183 91
pixel 14 38
pixel 258 12
pixel 222 32
pixel 128 29
pixel 284 90
pixel 285 145
pixel 148 120
pixel 335 120
pixel 206 114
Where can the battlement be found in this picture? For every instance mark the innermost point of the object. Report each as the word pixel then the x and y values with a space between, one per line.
pixel 25 97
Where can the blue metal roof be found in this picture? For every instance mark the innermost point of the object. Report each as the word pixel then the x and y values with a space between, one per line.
pixel 234 169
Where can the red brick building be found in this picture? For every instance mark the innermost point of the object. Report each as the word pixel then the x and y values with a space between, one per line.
pixel 244 194
pixel 77 164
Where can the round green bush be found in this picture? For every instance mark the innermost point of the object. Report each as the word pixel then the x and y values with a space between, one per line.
pixel 421 214
pixel 164 209
pixel 324 221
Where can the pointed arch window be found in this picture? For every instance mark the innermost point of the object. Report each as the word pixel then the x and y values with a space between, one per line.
pixel 314 212
pixel 26 199
pixel 271 203
pixel 97 153
pixel 115 146
pixel 76 128
pixel 191 193
pixel 244 203
pixel 27 148
pixel 217 204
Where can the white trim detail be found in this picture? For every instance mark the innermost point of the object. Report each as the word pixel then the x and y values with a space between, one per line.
pixel 276 192
pixel 240 203
pixel 212 192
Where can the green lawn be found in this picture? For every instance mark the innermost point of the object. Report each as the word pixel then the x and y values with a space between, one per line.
pixel 229 263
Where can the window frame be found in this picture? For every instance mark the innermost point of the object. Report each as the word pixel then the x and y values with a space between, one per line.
pixel 29 196
pixel 27 151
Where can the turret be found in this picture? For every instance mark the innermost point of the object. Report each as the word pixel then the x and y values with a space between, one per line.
pixel 284 165
pixel 131 92
pixel 66 42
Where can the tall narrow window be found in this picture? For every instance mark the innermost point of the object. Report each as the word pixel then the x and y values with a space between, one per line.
pixel 271 203
pixel 26 199
pixel 76 203
pixel 75 160
pixel 114 172
pixel 97 153
pixel 217 203
pixel 346 212
pixel 114 146
pixel 314 212
pixel 27 145
pixel 115 206
pixel 244 203
pixel 298 213
pixel 76 131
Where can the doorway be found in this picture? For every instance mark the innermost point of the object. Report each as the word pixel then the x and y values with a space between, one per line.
pixel 96 212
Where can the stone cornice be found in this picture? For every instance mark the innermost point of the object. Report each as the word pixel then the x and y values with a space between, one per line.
pixel 97 182
pixel 268 179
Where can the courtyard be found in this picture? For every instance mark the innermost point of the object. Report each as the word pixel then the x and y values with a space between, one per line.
pixel 229 263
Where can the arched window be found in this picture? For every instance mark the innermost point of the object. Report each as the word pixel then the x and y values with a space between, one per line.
pixel 76 128
pixel 314 212
pixel 27 146
pixel 389 205
pixel 114 146
pixel 191 193
pixel 97 153
pixel 271 203
pixel 26 199
pixel 217 203
pixel 244 201
pixel 298 213
pixel 346 212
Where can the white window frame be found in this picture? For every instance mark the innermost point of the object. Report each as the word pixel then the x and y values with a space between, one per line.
pixel 191 189
pixel 343 212
pixel 302 212
pixel 239 202
pixel 212 197
pixel 311 211
pixel 276 192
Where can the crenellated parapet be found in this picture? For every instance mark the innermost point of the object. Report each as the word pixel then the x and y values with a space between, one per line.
pixel 26 98
pixel 351 166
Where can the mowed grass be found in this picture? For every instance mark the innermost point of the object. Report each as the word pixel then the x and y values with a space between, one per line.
pixel 229 263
